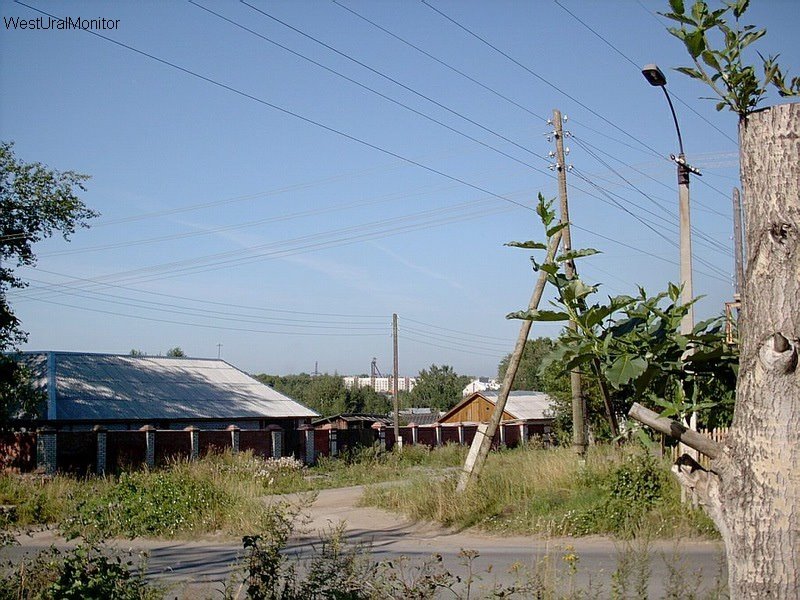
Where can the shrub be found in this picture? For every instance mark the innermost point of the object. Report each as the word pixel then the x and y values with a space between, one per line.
pixel 87 572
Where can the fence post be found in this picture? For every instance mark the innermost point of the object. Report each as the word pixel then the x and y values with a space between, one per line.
pixel 46 450
pixel 333 441
pixel 308 433
pixel 150 441
pixel 414 433
pixel 461 434
pixel 381 435
pixel 235 433
pixel 523 433
pixel 438 434
pixel 194 439
pixel 100 464
pixel 276 437
pixel 502 435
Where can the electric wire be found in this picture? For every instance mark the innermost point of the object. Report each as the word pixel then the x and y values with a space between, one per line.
pixel 451 348
pixel 650 177
pixel 318 124
pixel 638 68
pixel 699 233
pixel 539 77
pixel 96 310
pixel 393 80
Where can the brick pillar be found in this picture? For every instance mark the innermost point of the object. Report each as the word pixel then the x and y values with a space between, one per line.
pixel 46 450
pixel 381 435
pixel 235 433
pixel 414 433
pixel 438 434
pixel 194 438
pixel 150 440
pixel 308 433
pixel 461 434
pixel 100 463
pixel 276 440
pixel 333 435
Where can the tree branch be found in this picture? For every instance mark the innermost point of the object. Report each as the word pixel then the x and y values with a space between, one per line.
pixel 675 430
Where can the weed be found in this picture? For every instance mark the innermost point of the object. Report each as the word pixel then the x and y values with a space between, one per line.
pixel 87 572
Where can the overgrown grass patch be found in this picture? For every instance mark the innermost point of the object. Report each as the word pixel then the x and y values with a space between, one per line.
pixel 623 492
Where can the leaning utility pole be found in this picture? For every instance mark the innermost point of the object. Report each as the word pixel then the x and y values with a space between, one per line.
pixel 395 387
pixel 578 402
pixel 482 442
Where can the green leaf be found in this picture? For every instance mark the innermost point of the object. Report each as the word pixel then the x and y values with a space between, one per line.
pixel 699 11
pixel 556 228
pixel 695 43
pixel 711 60
pixel 740 7
pixel 677 6
pixel 573 254
pixel 694 73
pixel 625 368
pixel 530 245
pixel 538 315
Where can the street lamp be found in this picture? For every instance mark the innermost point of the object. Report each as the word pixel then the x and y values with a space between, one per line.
pixel 656 78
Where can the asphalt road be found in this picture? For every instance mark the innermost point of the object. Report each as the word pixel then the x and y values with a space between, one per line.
pixel 199 568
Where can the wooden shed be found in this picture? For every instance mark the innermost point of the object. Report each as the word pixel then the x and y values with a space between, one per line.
pixel 522 406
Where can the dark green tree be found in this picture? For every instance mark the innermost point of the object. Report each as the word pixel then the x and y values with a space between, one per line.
pixel 35 203
pixel 19 400
pixel 175 352
pixel 529 375
pixel 438 387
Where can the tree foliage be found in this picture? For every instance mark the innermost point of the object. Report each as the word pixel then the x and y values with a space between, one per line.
pixel 438 388
pixel 327 394
pixel 19 399
pixel 719 59
pixel 35 203
pixel 633 344
pixel 175 352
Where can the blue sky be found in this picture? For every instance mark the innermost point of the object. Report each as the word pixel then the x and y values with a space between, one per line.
pixel 282 191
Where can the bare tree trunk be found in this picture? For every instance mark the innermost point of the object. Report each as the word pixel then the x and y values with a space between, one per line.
pixel 753 489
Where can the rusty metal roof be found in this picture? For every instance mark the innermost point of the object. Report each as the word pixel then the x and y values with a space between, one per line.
pixel 110 387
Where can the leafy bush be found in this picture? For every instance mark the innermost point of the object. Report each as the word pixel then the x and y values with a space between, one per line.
pixel 87 572
pixel 162 503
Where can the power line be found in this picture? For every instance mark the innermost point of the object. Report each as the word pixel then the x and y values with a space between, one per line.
pixel 393 80
pixel 700 234
pixel 539 77
pixel 320 125
pixel 650 177
pixel 466 333
pixel 95 310
pixel 215 303
pixel 638 67
pixel 452 348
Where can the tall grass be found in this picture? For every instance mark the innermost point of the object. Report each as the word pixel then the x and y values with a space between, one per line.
pixel 532 491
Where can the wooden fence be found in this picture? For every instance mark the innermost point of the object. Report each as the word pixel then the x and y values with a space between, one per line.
pixel 718 435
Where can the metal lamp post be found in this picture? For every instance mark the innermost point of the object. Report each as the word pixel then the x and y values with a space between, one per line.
pixel 656 78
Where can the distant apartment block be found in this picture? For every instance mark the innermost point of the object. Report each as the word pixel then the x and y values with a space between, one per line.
pixel 380 384
pixel 481 384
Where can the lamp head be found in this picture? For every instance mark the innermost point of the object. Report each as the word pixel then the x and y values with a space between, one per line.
pixel 654 75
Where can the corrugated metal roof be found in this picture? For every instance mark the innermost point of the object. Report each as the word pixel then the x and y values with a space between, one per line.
pixel 117 387
pixel 524 405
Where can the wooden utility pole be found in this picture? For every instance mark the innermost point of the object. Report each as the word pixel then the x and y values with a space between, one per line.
pixel 578 401
pixel 395 397
pixel 482 442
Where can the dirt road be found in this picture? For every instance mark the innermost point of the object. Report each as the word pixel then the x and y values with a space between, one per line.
pixel 203 565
